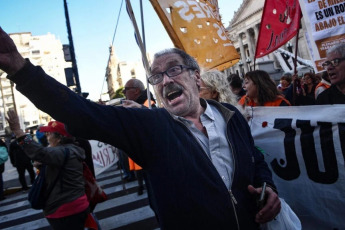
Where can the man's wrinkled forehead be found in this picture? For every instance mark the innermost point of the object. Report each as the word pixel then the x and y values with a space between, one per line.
pixel 164 62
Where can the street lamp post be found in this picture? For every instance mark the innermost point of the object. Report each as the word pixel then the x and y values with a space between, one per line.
pixel 248 62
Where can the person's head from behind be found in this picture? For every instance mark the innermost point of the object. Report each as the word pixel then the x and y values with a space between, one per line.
pixel 335 64
pixel 325 76
pixel 236 83
pixel 176 78
pixel 41 137
pixel 56 134
pixel 133 89
pixel 260 87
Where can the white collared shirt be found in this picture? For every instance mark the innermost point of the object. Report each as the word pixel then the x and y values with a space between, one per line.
pixel 216 145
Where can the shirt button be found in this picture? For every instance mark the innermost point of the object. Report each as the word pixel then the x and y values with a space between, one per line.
pixel 223 177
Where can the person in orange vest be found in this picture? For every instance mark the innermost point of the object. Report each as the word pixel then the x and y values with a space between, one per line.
pixel 323 84
pixel 261 91
pixel 134 90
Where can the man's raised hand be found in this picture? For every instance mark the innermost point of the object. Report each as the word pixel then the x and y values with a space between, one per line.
pixel 10 59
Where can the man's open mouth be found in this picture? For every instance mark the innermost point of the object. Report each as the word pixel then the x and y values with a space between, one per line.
pixel 172 91
pixel 174 94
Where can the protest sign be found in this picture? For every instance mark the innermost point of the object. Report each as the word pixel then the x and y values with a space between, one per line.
pixel 305 149
pixel 195 27
pixel 279 23
pixel 103 155
pixel 325 24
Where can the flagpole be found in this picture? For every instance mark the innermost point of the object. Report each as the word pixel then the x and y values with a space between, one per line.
pixel 144 43
pixel 296 48
pixel 141 46
pixel 295 64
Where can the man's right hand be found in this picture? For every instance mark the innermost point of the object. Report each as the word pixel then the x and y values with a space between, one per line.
pixel 10 59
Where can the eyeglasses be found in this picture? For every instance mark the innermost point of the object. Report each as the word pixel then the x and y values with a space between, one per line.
pixel 335 62
pixel 171 72
pixel 128 88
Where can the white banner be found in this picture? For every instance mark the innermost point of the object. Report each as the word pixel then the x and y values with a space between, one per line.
pixel 305 149
pixel 325 24
pixel 103 155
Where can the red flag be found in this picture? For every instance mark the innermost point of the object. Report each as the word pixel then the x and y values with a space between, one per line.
pixel 279 23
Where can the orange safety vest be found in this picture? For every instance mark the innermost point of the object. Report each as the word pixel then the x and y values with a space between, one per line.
pixel 322 84
pixel 276 102
pixel 132 164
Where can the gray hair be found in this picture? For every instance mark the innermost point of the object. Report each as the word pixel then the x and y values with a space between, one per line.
pixel 217 81
pixel 187 59
pixel 338 49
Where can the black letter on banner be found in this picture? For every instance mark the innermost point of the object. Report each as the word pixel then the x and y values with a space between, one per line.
pixel 341 127
pixel 309 154
pixel 291 171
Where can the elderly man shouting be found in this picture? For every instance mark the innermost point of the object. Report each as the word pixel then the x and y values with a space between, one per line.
pixel 204 170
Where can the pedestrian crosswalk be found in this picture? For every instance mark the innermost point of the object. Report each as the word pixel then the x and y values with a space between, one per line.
pixel 124 209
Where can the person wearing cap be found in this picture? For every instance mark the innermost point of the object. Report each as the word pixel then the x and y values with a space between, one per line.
pixel 66 206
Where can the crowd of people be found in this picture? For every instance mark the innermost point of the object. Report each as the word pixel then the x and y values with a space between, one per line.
pixel 196 154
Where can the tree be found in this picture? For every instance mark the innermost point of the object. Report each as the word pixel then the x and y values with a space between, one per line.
pixel 118 93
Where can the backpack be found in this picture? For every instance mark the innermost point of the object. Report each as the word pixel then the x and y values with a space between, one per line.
pixel 3 154
pixel 93 191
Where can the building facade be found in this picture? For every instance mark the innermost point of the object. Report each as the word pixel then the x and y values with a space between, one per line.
pixel 119 72
pixel 243 30
pixel 45 51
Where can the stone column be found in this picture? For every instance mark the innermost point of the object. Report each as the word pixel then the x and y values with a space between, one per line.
pixel 250 44
pixel 256 33
pixel 243 54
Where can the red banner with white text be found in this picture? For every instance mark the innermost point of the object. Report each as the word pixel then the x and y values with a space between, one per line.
pixel 280 22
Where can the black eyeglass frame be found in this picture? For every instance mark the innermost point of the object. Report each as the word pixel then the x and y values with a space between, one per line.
pixel 335 62
pixel 161 74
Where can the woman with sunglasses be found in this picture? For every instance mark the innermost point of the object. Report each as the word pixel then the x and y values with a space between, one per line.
pixel 215 86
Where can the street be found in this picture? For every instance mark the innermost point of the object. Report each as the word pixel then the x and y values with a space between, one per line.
pixel 124 209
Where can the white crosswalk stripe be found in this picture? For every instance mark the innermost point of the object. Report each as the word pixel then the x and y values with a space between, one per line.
pixel 124 210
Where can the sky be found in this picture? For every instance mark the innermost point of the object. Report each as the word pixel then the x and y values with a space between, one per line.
pixel 93 24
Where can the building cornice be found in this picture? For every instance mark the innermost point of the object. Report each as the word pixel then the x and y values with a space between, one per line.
pixel 233 22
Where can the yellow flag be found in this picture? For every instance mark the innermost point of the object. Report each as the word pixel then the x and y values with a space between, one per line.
pixel 195 27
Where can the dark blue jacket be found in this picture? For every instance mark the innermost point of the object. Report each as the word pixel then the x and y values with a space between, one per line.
pixel 188 191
